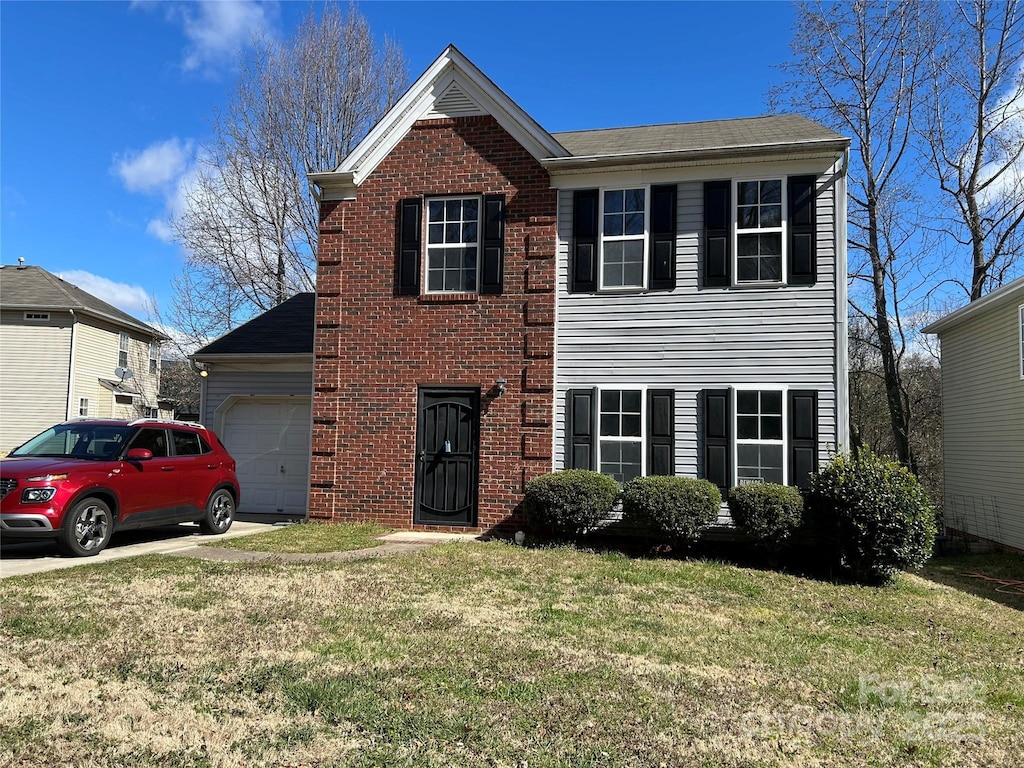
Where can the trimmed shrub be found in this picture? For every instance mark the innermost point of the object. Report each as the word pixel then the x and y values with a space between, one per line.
pixel 678 508
pixel 767 512
pixel 570 502
pixel 872 516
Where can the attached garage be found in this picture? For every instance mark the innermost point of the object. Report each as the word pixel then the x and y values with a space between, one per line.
pixel 256 397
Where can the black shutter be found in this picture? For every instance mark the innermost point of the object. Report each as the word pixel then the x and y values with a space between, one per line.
pixel 717 233
pixel 583 275
pixel 803 261
pixel 663 238
pixel 803 437
pixel 492 265
pixel 661 432
pixel 580 404
pixel 717 438
pixel 407 261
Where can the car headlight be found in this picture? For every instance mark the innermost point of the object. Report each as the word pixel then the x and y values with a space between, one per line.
pixel 37 495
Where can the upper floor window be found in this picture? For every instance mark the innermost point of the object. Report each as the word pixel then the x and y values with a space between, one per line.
pixel 83 406
pixel 1020 309
pixel 154 357
pixel 37 316
pixel 122 350
pixel 623 237
pixel 453 244
pixel 759 231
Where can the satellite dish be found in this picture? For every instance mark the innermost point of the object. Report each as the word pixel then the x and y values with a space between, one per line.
pixel 123 373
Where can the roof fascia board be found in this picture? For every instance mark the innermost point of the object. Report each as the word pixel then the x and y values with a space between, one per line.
pixel 1009 293
pixel 787 151
pixel 450 66
pixel 230 357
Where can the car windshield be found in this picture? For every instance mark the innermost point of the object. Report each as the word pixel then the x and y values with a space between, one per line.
pixel 77 441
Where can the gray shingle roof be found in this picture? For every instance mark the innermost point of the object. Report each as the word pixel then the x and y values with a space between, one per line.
pixel 31 287
pixel 287 329
pixel 696 137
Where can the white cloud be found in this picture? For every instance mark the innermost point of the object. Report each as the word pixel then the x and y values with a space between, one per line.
pixel 218 31
pixel 156 167
pixel 132 299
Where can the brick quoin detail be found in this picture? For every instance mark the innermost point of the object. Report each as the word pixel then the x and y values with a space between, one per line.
pixel 374 349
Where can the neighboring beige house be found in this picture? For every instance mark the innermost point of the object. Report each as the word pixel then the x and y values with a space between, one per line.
pixel 983 415
pixel 64 353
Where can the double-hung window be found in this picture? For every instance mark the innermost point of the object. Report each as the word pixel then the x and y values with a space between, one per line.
pixel 620 443
pixel 760 439
pixel 83 406
pixel 154 357
pixel 453 244
pixel 759 231
pixel 122 350
pixel 1020 311
pixel 623 237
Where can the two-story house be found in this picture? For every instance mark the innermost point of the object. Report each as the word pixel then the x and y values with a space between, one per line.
pixel 495 302
pixel 65 353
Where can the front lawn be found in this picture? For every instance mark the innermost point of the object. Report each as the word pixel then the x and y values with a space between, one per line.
pixel 486 654
pixel 309 538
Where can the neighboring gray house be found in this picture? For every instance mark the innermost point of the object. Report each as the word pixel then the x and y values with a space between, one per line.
pixel 256 397
pixel 983 415
pixel 65 353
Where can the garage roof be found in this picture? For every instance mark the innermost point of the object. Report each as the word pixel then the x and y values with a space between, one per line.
pixel 287 329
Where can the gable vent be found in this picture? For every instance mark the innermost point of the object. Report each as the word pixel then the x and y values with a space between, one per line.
pixel 454 103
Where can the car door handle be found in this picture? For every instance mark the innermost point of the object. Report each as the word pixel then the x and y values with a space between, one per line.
pixel 166 469
pixel 212 466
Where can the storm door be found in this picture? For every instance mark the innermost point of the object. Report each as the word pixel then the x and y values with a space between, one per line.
pixel 446 456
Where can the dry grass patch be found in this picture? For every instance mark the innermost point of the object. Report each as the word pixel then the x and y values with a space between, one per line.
pixel 311 537
pixel 486 654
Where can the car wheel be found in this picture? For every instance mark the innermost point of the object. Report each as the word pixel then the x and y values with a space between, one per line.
pixel 87 528
pixel 220 512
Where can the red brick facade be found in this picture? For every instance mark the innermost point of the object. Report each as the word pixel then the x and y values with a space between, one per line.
pixel 374 349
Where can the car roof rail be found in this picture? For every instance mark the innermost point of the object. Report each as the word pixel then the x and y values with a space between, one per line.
pixel 151 420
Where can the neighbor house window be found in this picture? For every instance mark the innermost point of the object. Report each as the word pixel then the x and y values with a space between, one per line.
pixel 83 406
pixel 759 231
pixel 37 316
pixel 122 350
pixel 620 424
pixel 453 244
pixel 154 357
pixel 759 436
pixel 623 238
pixel 150 413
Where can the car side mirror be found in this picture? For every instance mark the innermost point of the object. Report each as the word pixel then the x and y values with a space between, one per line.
pixel 139 454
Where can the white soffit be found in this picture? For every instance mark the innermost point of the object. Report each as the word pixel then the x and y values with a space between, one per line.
pixel 448 88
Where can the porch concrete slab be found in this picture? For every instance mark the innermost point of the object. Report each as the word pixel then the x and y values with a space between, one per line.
pixel 431 537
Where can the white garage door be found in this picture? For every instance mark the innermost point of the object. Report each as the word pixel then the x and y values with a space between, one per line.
pixel 268 437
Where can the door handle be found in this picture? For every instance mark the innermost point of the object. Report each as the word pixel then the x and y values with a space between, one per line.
pixel 166 469
pixel 211 466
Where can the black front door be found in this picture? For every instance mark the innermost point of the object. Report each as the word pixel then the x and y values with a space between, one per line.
pixel 446 456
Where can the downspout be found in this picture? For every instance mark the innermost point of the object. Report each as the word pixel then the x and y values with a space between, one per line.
pixel 71 368
pixel 841 322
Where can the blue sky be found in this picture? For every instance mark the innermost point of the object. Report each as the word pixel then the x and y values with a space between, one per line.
pixel 103 104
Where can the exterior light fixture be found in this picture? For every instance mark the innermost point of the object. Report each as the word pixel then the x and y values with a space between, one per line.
pixel 501 385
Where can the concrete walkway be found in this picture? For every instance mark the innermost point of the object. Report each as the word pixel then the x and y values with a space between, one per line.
pixel 29 557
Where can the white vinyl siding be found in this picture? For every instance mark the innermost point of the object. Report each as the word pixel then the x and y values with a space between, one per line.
pixel 983 424
pixel 35 359
pixel 693 338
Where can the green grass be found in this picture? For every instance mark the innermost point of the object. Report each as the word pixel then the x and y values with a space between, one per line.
pixel 486 654
pixel 309 538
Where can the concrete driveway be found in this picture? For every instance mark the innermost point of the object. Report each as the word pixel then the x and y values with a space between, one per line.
pixel 27 557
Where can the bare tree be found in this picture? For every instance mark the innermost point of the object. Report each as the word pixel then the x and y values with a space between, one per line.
pixel 974 133
pixel 857 68
pixel 249 226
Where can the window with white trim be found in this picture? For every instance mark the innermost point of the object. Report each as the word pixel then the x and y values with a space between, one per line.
pixel 623 238
pixel 760 437
pixel 453 244
pixel 760 217
pixel 154 357
pixel 148 412
pixel 122 350
pixel 83 406
pixel 620 433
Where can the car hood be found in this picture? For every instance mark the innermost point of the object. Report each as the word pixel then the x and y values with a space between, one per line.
pixel 33 466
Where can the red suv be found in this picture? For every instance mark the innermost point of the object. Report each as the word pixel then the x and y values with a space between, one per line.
pixel 80 481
